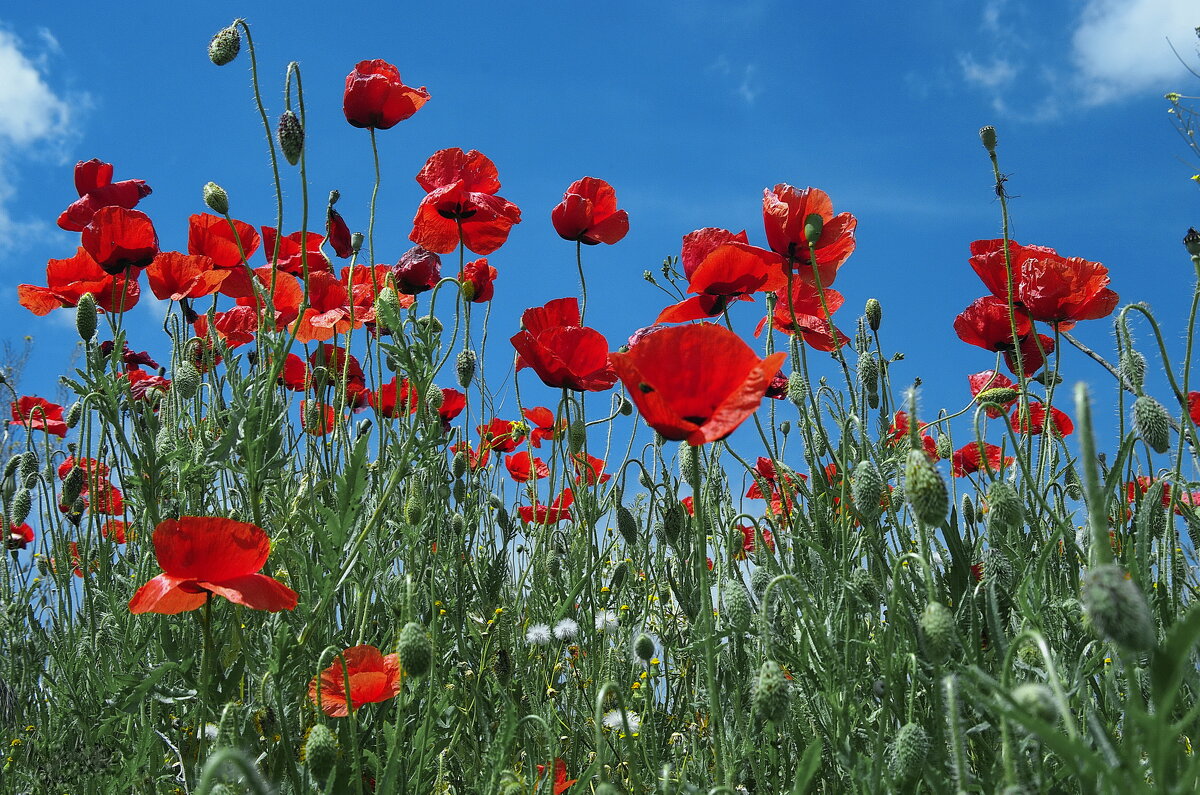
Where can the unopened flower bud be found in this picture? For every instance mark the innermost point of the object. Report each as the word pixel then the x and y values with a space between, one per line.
pixel 186 382
pixel 415 649
pixel 1132 367
pixel 944 446
pixel 937 628
pixel 72 485
pixel 22 504
pixel 291 136
pixel 925 488
pixel 626 524
pixel 387 307
pixel 1191 242
pixel 1152 423
pixel 1117 608
pixel 225 45
pixel 968 509
pixel 85 317
pixel 320 753
pixel 868 370
pixel 987 135
pixel 643 648
pixel 1037 700
pixel 216 198
pixel 769 695
pixel 737 612
pixel 908 753
pixel 1005 509
pixel 866 489
pixel 577 436
pixel 874 313
pixel 464 368
pixel 797 388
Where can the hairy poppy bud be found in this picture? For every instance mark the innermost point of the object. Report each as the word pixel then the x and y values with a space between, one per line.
pixel 674 520
pixel 737 606
pixel 1005 510
pixel 987 135
pixel 29 467
pixel 626 525
pixel 1191 241
pixel 643 648
pixel 387 307
pixel 72 485
pixel 1132 367
pixel 874 312
pixel 1152 424
pixel 769 694
pixel 320 752
pixel 866 489
pixel 187 380
pixel 1117 608
pixel 687 457
pixel 22 504
pixel 216 198
pixel 85 317
pixel 74 414
pixel 464 368
pixel 968 509
pixel 864 587
pixel 943 445
pixel 1037 700
pixel 415 649
pixel 937 627
pixel 868 371
pixel 225 45
pixel 577 436
pixel 1001 395
pixel 759 581
pixel 907 754
pixel 291 136
pixel 924 488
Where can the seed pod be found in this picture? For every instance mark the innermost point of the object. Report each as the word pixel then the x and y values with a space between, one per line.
pixel 643 648
pixel 72 485
pixel 868 370
pixel 1117 608
pixel 320 753
pixel 874 312
pixel 907 754
pixel 987 136
pixel 415 649
pixel 216 198
pixel 785 427
pixel 625 407
pixel 737 607
pixel 925 489
pixel 813 226
pixel 866 489
pixel 85 317
pixel 225 45
pixel 291 136
pixel 1132 367
pixel 937 627
pixel 1191 241
pixel 1152 423
pixel 797 388
pixel 769 693
pixel 464 368
pixel 1005 510
pixel 187 380
pixel 1037 700
pixel 22 504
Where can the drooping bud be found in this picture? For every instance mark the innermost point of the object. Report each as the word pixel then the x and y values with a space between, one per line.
pixel 74 414
pixel 737 606
pixel 987 135
pixel 797 388
pixel 907 754
pixel 924 488
pixel 72 485
pixel 1117 608
pixel 1152 423
pixel 866 489
pixel 1001 395
pixel 770 692
pixel 85 317
pixel 464 368
pixel 320 753
pixel 22 504
pixel 291 136
pixel 874 313
pixel 868 370
pixel 1037 700
pixel 216 198
pixel 225 45
pixel 415 649
pixel 626 524
pixel 1132 367
pixel 29 468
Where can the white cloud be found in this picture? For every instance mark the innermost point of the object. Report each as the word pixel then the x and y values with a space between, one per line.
pixel 993 75
pixel 742 79
pixel 1120 47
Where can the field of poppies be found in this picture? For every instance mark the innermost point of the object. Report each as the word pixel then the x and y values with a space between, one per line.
pixel 315 551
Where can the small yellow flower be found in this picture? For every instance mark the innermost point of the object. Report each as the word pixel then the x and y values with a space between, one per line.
pixel 635 686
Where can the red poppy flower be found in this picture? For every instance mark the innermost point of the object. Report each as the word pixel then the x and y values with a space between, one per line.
pixel 328 312
pixel 549 514
pixel 589 470
pixel 588 213
pixel 236 326
pixel 476 459
pixel 695 383
pixel 93 181
pixel 229 244
pixel 69 279
pixel 986 323
pixel 174 276
pixel 1060 423
pixel 38 414
pixel 786 211
pixel 364 284
pixel 805 307
pixel 375 96
pixel 462 196
pixel 392 396
pixel 990 379
pixel 542 425
pixel 722 267
pixel 317 418
pixel 522 466
pixel 1193 401
pixel 503 436
pixel 142 383
pixel 92 469
pixel 898 430
pixel 202 555
pixel 417 271
pixel 120 239
pixel 561 351
pixel 476 279
pixel 114 530
pixel 337 234
pixel 561 784
pixel 748 533
pixel 293 254
pixel 19 536
pixel 453 403
pixel 972 457
pixel 765 471
pixel 374 677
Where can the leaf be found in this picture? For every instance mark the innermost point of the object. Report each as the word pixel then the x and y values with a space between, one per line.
pixel 1172 658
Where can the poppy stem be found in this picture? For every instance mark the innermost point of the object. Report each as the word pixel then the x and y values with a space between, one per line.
pixel 582 282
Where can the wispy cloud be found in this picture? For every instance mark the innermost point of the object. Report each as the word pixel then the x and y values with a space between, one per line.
pixel 741 79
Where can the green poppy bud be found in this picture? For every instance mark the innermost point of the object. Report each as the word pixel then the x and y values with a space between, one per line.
pixel 643 648
pixel 225 45
pixel 874 313
pixel 738 611
pixel 1152 424
pixel 291 136
pixel 1006 512
pixel 924 488
pixel 85 317
pixel 937 628
pixel 464 368
pixel 22 504
pixel 770 694
pixel 907 755
pixel 1117 608
pixel 987 135
pixel 216 198
pixel 415 649
pixel 1037 700
pixel 626 525
pixel 320 752
pixel 866 489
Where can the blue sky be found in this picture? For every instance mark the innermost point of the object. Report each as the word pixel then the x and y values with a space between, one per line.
pixel 688 109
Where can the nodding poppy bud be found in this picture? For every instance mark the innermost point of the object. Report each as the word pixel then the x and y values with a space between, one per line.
pixel 769 694
pixel 85 317
pixel 968 509
pixel 464 368
pixel 74 414
pixel 1117 608
pixel 907 754
pixel 291 136
pixel 674 520
pixel 577 436
pixel 1132 367
pixel 1037 700
pixel 737 607
pixel 434 397
pixel 72 485
pixel 874 313
pixel 415 650
pixel 29 467
pixel 797 388
pixel 866 489
pixel 216 198
pixel 225 45
pixel 22 504
pixel 1191 241
pixel 626 524
pixel 924 488
pixel 320 752
pixel 1151 422
pixel 987 136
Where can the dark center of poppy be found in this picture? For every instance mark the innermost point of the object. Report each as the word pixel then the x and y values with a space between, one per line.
pixel 694 420
pixel 645 388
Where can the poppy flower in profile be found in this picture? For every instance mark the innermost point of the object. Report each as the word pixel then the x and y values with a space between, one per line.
pixel 503 436
pixel 337 234
pixel 765 473
pixel 417 271
pixel 68 279
pixel 722 267
pixel 477 279
pixel 973 457
pixel 376 97
pixel 1060 423
pixel 786 211
pixel 748 539
pixel 115 530
pixel 987 380
pixel 561 351
pixel 898 432
pixel 174 276
pixel 476 459
pixel 588 213
pixel 93 181
pixel 555 512
pixel 805 315
pixel 120 239
pixel 462 205
pixel 392 397
pixel 229 243
pixel 695 383
pixel 374 677
pixel 542 425
pixel 522 466
pixel 203 555
pixel 589 469
pixel 38 414
pixel 19 536
pixel 453 403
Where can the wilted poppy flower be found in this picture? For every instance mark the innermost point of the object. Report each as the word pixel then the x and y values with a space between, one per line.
pixel 588 213
pixel 38 414
pixel 462 204
pixel 695 383
pixel 202 555
pixel 337 234
pixel 417 271
pixel 373 677
pixel 375 96
pixel 476 279
pixel 722 267
pixel 972 457
pixel 561 351
pixel 549 514
pixel 786 211
pixel 93 181
pixel 987 380
pixel 522 466
pixel 804 314
pixel 120 239
pixel 19 536
pixel 1060 423
pixel 67 281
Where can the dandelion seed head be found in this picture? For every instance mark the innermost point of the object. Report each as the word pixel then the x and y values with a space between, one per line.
pixel 566 629
pixel 538 635
pixel 606 620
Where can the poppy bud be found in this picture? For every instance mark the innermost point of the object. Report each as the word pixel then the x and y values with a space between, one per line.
pixel 866 489
pixel 72 485
pixel 868 371
pixel 937 627
pixel 906 756
pixel 674 520
pixel 1117 608
pixel 626 525
pixel 813 224
pixel 415 649
pixel 737 607
pixel 874 313
pixel 291 136
pixel 1037 700
pixel 74 414
pixel 577 436
pixel 320 753
pixel 987 135
pixel 769 694
pixel 1005 510
pixel 864 586
pixel 997 567
pixel 1191 242
pixel 625 407
pixel 387 307
pixel 1001 395
pixel 458 465
pixel 924 488
pixel 1152 424
pixel 687 457
pixel 225 45
pixel 643 648
pixel 968 509
pixel 797 388
pixel 216 198
pixel 29 467
pixel 85 317
pixel 11 466
pixel 22 504
pixel 944 447
pixel 464 368
pixel 186 382
pixel 1132 367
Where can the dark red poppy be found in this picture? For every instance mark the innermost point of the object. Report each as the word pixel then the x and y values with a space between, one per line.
pixel 561 351
pixel 695 383
pixel 1060 423
pixel 93 181
pixel 786 211
pixel 1193 401
pixel 174 276
pixel 293 254
pixel 805 314
pixel 589 470
pixel 120 239
pixel 588 213
pixel 374 677
pixel 38 414
pixel 19 536
pixel 778 388
pixel 202 555
pixel 376 97
pixel 1051 288
pixel 417 271
pixel 462 198
pixel 67 281
pixel 555 512
pixel 972 458
pixel 722 267
pixel 392 397
pixel 986 380
pixel 477 279
pixel 522 466
pixel 337 234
